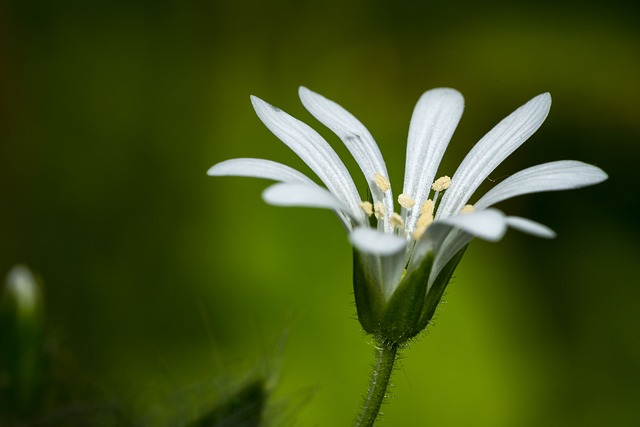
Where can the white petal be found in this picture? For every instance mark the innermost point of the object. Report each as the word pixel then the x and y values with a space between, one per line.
pixel 487 224
pixel 445 238
pixel 433 122
pixel 530 227
pixel 258 168
pixel 374 242
pixel 383 254
pixel 22 284
pixel 385 271
pixel 553 176
pixel 310 196
pixel 356 137
pixel 454 241
pixel 354 134
pixel 491 150
pixel 314 151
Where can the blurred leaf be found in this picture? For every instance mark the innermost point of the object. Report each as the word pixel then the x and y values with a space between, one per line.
pixel 21 342
pixel 244 409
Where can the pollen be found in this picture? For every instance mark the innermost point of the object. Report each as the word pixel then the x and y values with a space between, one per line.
pixel 419 231
pixel 406 201
pixel 424 220
pixel 427 207
pixel 378 209
pixel 441 184
pixel 396 220
pixel 367 207
pixel 467 209
pixel 381 182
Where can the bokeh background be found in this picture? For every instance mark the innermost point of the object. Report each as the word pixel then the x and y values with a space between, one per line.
pixel 164 286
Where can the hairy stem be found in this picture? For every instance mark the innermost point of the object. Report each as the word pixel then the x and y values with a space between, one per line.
pixel 386 353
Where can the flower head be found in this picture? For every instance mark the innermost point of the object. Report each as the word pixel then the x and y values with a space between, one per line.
pixel 405 253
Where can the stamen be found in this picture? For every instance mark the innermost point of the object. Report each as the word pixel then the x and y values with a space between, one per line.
pixel 382 182
pixel 378 209
pixel 467 209
pixel 367 207
pixel 441 184
pixel 396 221
pixel 418 232
pixel 406 201
pixel 427 207
pixel 424 220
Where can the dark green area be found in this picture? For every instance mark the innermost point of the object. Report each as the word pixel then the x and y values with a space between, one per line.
pixel 158 278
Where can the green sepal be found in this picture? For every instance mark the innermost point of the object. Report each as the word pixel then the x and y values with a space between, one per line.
pixel 404 308
pixel 370 302
pixel 437 289
pixel 412 305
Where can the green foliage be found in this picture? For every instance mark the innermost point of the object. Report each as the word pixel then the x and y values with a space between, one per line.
pixel 112 111
pixel 243 409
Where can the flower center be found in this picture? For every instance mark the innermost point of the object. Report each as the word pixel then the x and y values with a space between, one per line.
pixel 398 222
pixel 428 207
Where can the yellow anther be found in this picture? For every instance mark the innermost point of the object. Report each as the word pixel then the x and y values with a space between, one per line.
pixel 378 209
pixel 418 232
pixel 424 220
pixel 396 221
pixel 382 182
pixel 406 201
pixel 441 184
pixel 427 207
pixel 467 209
pixel 367 207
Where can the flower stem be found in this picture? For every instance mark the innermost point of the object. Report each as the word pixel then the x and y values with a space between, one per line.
pixel 386 353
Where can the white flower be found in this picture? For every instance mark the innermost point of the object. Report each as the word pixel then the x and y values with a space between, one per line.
pixel 432 216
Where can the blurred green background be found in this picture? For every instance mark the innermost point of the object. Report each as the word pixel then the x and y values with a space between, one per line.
pixel 161 282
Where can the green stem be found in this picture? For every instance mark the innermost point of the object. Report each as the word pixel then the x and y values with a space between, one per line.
pixel 386 353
